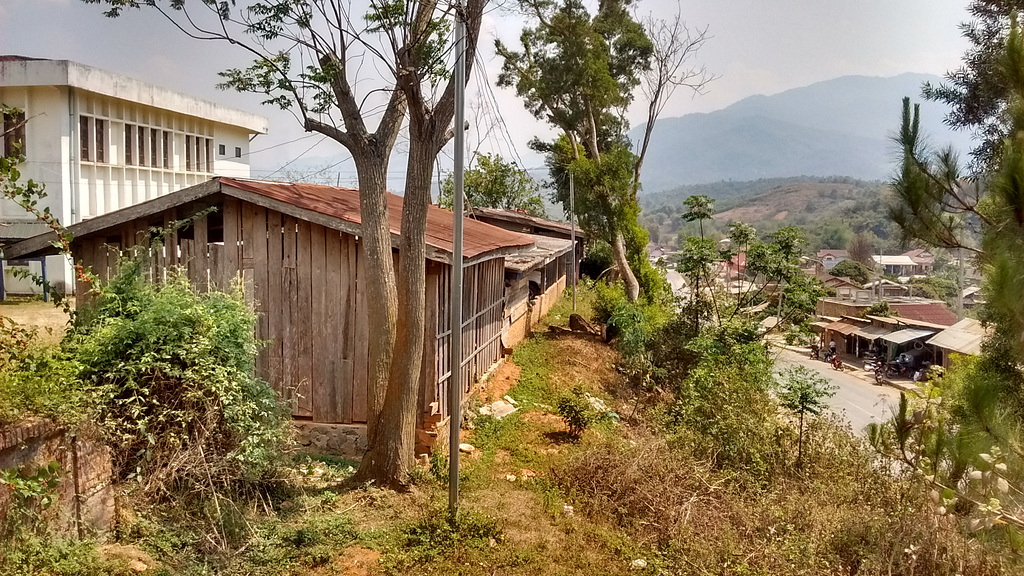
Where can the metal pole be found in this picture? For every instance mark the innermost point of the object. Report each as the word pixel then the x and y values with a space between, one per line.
pixel 960 286
pixel 455 350
pixel 572 221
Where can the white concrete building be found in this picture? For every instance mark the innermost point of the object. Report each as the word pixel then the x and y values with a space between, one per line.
pixel 101 141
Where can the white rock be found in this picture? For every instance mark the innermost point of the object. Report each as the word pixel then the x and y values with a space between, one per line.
pixel 466 448
pixel 567 510
pixel 638 564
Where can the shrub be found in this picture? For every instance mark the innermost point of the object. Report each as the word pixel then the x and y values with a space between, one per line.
pixel 722 406
pixel 171 371
pixel 576 411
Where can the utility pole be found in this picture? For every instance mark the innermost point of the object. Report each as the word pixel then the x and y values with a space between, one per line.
pixel 572 222
pixel 455 350
pixel 960 286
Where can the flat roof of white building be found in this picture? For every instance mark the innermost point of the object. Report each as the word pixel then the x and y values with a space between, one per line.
pixel 894 260
pixel 25 71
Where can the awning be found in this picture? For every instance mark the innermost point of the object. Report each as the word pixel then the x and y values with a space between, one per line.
pixel 964 337
pixel 820 325
pixel 872 332
pixel 906 335
pixel 843 327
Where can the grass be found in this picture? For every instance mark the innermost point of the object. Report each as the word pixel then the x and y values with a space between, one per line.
pixel 534 503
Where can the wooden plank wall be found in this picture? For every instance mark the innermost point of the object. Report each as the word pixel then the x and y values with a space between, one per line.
pixel 483 308
pixel 304 280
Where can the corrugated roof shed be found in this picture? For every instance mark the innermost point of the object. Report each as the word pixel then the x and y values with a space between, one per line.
pixel 543 251
pixel 844 327
pixel 906 335
pixel 966 337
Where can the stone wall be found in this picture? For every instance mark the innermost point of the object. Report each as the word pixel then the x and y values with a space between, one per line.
pixel 85 497
pixel 345 440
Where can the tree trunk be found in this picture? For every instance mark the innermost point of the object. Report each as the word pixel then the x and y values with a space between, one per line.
pixel 392 452
pixel 622 262
pixel 382 300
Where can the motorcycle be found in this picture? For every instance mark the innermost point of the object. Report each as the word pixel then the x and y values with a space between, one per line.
pixel 815 355
pixel 896 369
pixel 878 367
pixel 836 363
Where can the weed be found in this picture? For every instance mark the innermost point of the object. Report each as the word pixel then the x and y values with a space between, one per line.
pixel 576 411
pixel 30 495
pixel 437 536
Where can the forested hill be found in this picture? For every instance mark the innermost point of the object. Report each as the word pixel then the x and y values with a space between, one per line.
pixel 828 210
pixel 839 126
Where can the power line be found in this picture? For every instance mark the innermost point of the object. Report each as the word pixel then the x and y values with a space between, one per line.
pixel 299 157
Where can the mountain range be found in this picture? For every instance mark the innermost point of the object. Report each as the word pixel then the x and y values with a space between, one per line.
pixel 841 127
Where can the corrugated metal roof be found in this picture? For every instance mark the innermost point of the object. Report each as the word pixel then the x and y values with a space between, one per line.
pixel 966 337
pixel 932 312
pixel 543 251
pixel 336 208
pixel 343 203
pixel 20 230
pixel 872 331
pixel 906 335
pixel 843 327
pixel 894 260
pixel 523 218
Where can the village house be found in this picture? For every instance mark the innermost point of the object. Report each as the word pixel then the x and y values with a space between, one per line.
pixel 828 258
pixel 296 249
pixel 965 337
pixel 901 265
pixel 923 259
pixel 100 141
pixel 906 309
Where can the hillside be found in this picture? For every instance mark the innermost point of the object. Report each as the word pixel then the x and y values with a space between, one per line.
pixel 839 126
pixel 829 210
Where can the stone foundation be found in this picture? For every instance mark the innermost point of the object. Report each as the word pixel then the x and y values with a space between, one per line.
pixel 344 440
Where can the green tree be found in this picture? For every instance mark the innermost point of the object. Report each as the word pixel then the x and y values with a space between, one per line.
pixel 978 93
pixel 804 392
pixel 496 183
pixel 579 71
pixel 984 217
pixel 699 208
pixel 853 270
pixel 696 262
pixel 301 53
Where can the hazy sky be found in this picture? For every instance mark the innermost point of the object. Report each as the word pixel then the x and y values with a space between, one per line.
pixel 756 47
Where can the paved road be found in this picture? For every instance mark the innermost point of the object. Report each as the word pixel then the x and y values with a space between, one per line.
pixel 858 401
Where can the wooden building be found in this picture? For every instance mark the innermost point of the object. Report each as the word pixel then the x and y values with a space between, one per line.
pixel 297 250
pixel 526 224
pixel 534 280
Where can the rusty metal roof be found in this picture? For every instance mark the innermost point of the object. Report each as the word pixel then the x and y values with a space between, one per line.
pixel 336 208
pixel 844 327
pixel 524 219
pixel 343 203
pixel 931 312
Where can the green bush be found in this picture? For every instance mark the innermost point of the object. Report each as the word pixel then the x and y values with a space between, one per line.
pixel 576 411
pixel 171 373
pixel 723 406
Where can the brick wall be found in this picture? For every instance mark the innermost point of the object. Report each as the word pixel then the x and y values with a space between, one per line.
pixel 85 497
